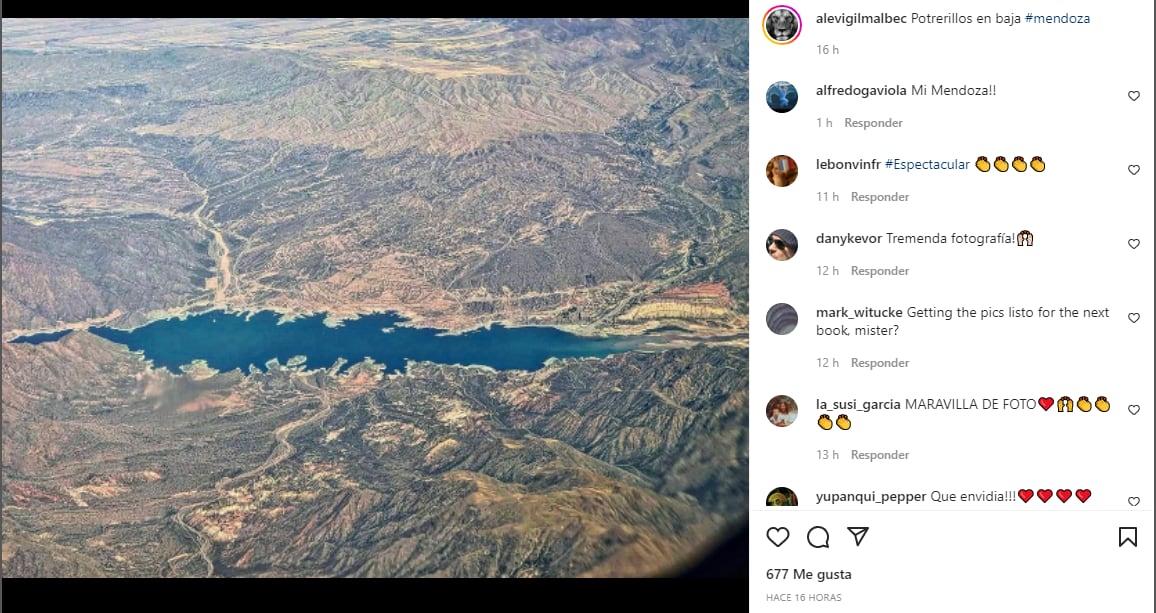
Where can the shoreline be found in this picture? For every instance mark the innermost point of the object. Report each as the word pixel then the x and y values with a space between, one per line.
pixel 199 368
pixel 336 319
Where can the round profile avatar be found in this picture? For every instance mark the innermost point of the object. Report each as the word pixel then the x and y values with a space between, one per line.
pixel 782 97
pixel 782 245
pixel 782 24
pixel 782 411
pixel 782 170
pixel 782 318
pixel 782 497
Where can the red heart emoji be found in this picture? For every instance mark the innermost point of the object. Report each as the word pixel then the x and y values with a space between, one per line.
pixel 1083 495
pixel 1026 495
pixel 1046 402
pixel 1044 495
pixel 1063 495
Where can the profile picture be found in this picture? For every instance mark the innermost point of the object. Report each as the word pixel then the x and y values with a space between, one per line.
pixel 782 497
pixel 782 318
pixel 782 24
pixel 782 97
pixel 782 170
pixel 782 245
pixel 782 411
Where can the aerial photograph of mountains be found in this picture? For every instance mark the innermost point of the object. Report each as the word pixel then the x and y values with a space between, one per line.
pixel 372 298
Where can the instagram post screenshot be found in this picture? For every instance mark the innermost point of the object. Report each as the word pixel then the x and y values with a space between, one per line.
pixel 823 306
pixel 387 298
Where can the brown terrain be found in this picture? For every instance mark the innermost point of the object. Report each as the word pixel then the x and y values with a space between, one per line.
pixel 585 174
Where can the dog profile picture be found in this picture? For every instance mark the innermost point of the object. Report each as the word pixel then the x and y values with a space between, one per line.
pixel 782 97
pixel 782 318
pixel 782 171
pixel 782 497
pixel 782 245
pixel 782 24
pixel 782 411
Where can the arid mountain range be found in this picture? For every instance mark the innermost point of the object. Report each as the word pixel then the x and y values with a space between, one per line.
pixel 584 174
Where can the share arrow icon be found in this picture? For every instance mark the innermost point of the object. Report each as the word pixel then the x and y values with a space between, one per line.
pixel 858 533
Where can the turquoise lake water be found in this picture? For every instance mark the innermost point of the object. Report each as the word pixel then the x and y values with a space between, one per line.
pixel 239 340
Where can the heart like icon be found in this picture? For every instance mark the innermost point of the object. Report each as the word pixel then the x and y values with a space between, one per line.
pixel 1134 168
pixel 1134 500
pixel 1045 495
pixel 1134 95
pixel 1133 317
pixel 1026 495
pixel 1046 402
pixel 778 536
pixel 1083 495
pixel 1133 242
pixel 1133 408
pixel 1063 495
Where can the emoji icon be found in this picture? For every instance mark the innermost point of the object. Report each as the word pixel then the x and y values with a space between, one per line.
pixel 1019 164
pixel 1046 402
pixel 1083 495
pixel 1102 404
pixel 1065 405
pixel 1038 164
pixel 1083 404
pixel 1026 495
pixel 843 422
pixel 1044 495
pixel 982 164
pixel 1063 495
pixel 1024 239
pixel 825 422
pixel 1001 164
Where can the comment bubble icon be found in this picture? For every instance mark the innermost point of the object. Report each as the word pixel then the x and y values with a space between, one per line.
pixel 819 538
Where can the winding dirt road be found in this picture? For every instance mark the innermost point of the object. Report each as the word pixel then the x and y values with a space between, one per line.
pixel 281 452
pixel 220 252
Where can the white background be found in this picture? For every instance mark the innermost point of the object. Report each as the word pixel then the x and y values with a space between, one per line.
pixel 1062 95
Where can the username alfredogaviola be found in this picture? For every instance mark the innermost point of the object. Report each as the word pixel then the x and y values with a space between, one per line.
pixel 920 89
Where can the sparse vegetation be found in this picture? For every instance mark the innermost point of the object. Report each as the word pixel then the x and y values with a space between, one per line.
pixel 583 173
